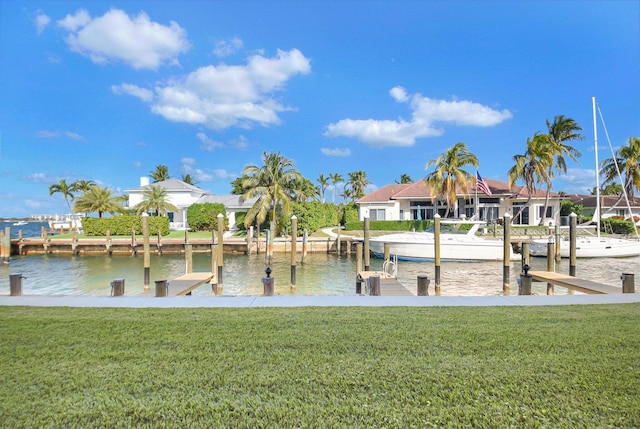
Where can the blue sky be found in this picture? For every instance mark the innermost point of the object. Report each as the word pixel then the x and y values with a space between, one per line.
pixel 108 90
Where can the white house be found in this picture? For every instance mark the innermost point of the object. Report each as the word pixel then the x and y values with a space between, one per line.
pixel 414 201
pixel 610 206
pixel 183 195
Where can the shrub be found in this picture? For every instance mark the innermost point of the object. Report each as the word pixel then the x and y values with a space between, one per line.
pixel 204 217
pixel 122 225
pixel 390 225
pixel 616 225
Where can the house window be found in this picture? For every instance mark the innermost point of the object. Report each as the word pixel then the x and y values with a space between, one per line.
pixel 401 214
pixel 541 212
pixel 376 214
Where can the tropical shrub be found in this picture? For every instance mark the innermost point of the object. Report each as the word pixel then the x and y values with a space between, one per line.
pixel 390 225
pixel 616 225
pixel 122 225
pixel 349 213
pixel 204 217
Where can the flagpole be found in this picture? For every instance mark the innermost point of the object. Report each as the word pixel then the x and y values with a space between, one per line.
pixel 476 215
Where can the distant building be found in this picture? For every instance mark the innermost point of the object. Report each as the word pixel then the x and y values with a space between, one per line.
pixel 414 201
pixel 183 196
pixel 610 205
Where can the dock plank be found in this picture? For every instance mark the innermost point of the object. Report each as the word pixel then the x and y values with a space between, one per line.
pixel 389 286
pixel 186 283
pixel 574 283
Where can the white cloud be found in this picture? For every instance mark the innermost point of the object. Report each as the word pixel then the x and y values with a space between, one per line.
pixel 47 134
pixel 136 41
pixel 224 48
pixel 341 152
pixel 34 204
pixel 224 174
pixel 42 178
pixel 41 21
pixel 208 143
pixel 427 113
pixel 226 96
pixel 127 88
pixel 240 143
pixel 575 181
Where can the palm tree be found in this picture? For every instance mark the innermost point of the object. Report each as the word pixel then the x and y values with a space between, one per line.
pixel 560 131
pixel 98 199
pixel 335 179
pixel 449 175
pixel 186 178
pixel 160 174
pixel 358 182
pixel 271 185
pixel 404 179
pixel 532 167
pixel 324 183
pixel 155 199
pixel 304 189
pixel 63 188
pixel 627 159
pixel 82 185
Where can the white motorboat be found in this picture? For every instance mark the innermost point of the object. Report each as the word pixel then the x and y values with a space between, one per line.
pixel 20 223
pixel 70 222
pixel 592 246
pixel 420 246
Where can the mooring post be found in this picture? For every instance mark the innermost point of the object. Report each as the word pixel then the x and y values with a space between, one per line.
pixel 74 242
pixel 220 250
pixel 117 287
pixel 436 250
pixel 107 242
pixel 506 254
pixel 294 250
pixel 558 243
pixel 628 283
pixel 15 284
pixel 573 221
pixel 4 255
pixel 188 256
pixel 305 244
pixel 423 285
pixel 358 267
pixel 159 246
pixel 133 241
pixel 214 263
pixel 162 288
pixel 525 281
pixel 338 242
pixel 524 250
pixel 146 249
pixel 268 283
pixel 387 251
pixel 367 253
pixel 20 242
pixel 551 257
pixel 374 285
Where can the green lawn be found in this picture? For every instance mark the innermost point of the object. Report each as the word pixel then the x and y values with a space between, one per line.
pixel 555 367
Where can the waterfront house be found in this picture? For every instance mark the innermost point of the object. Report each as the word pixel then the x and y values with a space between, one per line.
pixel 414 201
pixel 610 206
pixel 183 195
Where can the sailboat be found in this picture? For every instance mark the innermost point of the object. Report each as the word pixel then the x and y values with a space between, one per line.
pixel 592 246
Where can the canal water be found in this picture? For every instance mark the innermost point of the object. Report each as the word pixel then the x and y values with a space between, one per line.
pixel 320 274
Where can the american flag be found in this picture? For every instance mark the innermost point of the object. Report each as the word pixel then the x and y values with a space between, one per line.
pixel 481 185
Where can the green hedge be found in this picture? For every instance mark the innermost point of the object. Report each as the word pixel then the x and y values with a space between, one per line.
pixel 204 217
pixel 314 215
pixel 121 225
pixel 389 225
pixel 616 226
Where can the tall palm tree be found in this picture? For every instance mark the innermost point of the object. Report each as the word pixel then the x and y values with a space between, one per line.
pixel 560 131
pixel 532 167
pixel 63 188
pixel 155 199
pixel 358 182
pixel 304 190
pixel 186 178
pixel 98 199
pixel 335 179
pixel 82 185
pixel 160 174
pixel 404 179
pixel 271 184
pixel 324 183
pixel 448 173
pixel 628 160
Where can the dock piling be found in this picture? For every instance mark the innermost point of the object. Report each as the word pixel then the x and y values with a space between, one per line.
pixel 506 254
pixel 367 253
pixel 374 285
pixel 628 283
pixel 146 251
pixel 294 250
pixel 423 285
pixel 162 288
pixel 436 245
pixel 117 287
pixel 15 284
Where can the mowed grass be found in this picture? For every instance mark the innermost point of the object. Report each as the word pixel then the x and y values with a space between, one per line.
pixel 564 366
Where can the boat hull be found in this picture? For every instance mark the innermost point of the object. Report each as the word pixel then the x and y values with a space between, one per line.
pixel 590 247
pixel 419 246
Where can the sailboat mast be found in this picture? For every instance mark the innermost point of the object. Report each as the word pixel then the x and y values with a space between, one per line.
pixel 595 146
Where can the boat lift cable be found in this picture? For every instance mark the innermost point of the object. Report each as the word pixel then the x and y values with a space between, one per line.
pixel 615 161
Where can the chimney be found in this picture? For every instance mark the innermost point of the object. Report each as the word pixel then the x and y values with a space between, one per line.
pixel 144 181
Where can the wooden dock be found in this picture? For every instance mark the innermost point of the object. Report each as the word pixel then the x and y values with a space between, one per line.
pixel 573 283
pixel 186 283
pixel 389 286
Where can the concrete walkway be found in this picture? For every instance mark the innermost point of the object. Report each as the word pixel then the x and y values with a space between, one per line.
pixel 196 301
